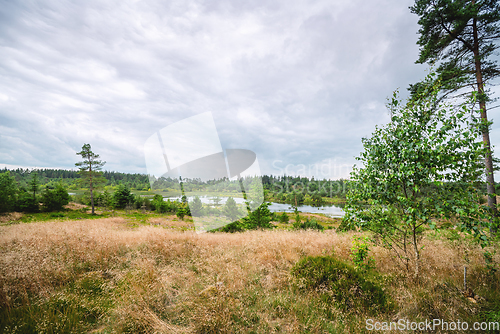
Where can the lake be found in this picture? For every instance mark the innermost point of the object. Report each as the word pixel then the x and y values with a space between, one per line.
pixel 329 210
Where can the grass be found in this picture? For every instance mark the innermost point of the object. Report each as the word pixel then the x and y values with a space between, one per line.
pixel 147 273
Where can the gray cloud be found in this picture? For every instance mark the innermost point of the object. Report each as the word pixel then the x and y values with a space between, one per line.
pixel 299 82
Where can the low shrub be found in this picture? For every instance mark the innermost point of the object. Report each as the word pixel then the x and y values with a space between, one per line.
pixel 55 199
pixel 283 218
pixel 359 254
pixel 27 203
pixel 340 283
pixel 309 224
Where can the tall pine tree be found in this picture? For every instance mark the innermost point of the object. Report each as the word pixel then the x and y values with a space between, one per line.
pixel 89 169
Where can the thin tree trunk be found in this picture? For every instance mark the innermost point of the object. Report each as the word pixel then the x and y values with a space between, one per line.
pixel 417 253
pixel 405 248
pixel 91 192
pixel 490 180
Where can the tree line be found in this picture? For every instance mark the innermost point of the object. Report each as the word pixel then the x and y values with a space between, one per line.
pixel 70 178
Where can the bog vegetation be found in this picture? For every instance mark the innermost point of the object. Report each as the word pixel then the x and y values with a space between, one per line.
pixel 137 273
pixel 419 241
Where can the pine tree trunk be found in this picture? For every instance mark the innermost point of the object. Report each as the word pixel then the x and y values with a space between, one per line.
pixel 490 180
pixel 91 190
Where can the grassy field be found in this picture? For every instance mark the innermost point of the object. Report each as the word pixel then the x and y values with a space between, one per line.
pixel 134 273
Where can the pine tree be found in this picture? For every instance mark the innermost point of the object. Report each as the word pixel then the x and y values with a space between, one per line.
pixel 89 169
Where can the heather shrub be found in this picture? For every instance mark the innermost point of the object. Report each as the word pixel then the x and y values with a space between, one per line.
pixel 309 224
pixel 340 283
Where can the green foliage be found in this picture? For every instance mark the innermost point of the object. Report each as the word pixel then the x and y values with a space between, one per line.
pixel 196 207
pixel 283 218
pixel 55 199
pixel 89 170
pixel 309 224
pixel 491 266
pixel 231 210
pixel 236 226
pixel 338 282
pixel 292 189
pixel 461 36
pixel 297 216
pixel 122 197
pixel 8 189
pixel 410 167
pixel 181 212
pixel 261 217
pixel 27 203
pixel 34 184
pixel 447 37
pixel 143 203
pixel 159 204
pixel 184 199
pixel 162 206
pixel 314 199
pixel 104 199
pixel 359 254
pixel 255 195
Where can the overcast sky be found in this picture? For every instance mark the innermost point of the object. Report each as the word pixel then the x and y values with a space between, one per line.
pixel 297 82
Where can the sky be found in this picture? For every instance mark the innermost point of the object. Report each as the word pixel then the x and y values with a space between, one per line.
pixel 299 83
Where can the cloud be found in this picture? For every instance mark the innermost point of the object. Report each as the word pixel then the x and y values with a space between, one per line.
pixel 295 81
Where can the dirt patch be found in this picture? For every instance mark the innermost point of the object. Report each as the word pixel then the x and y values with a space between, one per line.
pixel 11 216
pixel 75 206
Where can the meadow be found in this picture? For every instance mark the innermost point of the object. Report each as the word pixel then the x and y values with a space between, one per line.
pixel 131 273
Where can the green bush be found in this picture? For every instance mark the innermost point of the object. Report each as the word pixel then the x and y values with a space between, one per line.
pixel 359 254
pixel 283 218
pixel 231 228
pixel 142 203
pixel 181 212
pixel 231 209
pixel 340 283
pixel 259 218
pixel 162 206
pixel 196 207
pixel 311 224
pixel 55 199
pixel 122 197
pixel 103 199
pixel 27 203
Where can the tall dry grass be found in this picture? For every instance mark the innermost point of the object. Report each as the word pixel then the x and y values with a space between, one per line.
pixel 156 280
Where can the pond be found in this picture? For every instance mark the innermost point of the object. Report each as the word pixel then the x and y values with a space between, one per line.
pixel 328 209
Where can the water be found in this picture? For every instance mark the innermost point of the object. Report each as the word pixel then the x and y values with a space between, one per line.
pixel 332 210
pixel 329 210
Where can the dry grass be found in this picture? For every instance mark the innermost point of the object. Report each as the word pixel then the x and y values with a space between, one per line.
pixel 10 217
pixel 160 280
pixel 172 222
